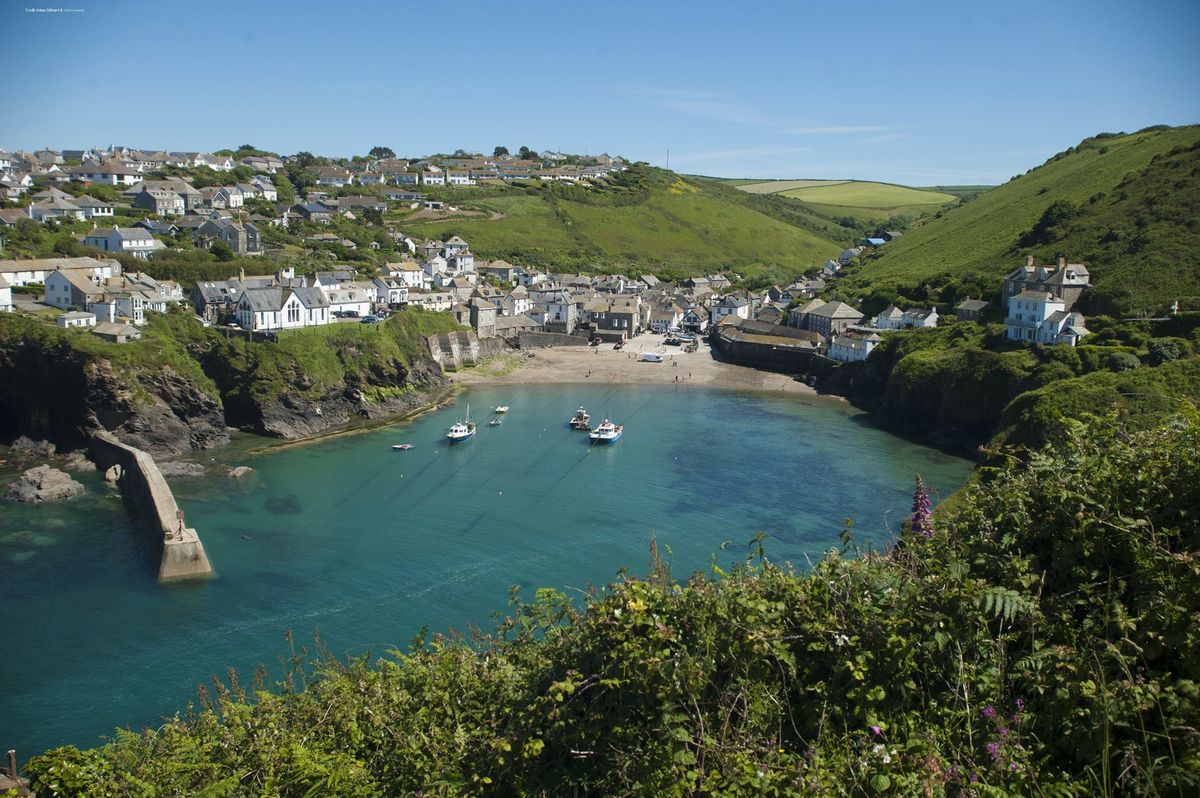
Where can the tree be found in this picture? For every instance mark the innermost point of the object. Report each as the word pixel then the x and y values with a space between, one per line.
pixel 221 251
pixel 528 154
pixel 304 158
pixel 499 151
pixel 382 152
pixel 372 216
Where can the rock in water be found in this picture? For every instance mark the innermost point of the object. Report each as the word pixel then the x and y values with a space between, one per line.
pixel 77 461
pixel 239 472
pixel 181 469
pixel 44 484
pixel 112 474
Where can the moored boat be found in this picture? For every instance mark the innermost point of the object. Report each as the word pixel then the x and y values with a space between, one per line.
pixel 462 431
pixel 607 432
pixel 502 409
pixel 581 420
pixel 495 422
pixel 404 447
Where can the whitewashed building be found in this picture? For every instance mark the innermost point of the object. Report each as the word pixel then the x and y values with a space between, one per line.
pixel 128 240
pixel 282 308
pixel 76 318
pixel 852 345
pixel 1041 317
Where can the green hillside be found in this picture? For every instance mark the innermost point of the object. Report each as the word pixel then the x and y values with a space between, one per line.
pixel 646 218
pixel 1124 205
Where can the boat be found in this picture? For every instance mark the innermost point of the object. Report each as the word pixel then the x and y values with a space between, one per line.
pixel 404 447
pixel 502 409
pixel 580 420
pixel 607 432
pixel 495 422
pixel 462 431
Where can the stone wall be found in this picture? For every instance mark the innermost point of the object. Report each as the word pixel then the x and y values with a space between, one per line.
pixel 144 487
pixel 453 351
pixel 537 340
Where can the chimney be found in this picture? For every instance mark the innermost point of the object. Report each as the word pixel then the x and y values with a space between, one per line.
pixel 1029 261
pixel 1062 262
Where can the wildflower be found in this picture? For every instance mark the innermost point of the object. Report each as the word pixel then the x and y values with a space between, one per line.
pixel 1014 767
pixel 993 750
pixel 922 507
pixel 1003 731
pixel 1020 704
pixel 876 731
pixel 974 777
pixel 989 711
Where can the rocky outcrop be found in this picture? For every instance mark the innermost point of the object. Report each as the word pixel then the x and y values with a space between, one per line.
pixel 239 472
pixel 296 414
pixel 50 390
pixel 44 484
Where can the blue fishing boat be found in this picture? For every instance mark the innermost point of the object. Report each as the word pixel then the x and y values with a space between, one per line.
pixel 607 432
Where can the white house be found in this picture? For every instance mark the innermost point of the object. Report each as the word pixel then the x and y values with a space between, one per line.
pixel 24 272
pixel 129 240
pixel 462 261
pixel 895 319
pixel 281 308
pixel 1041 317
pixel 6 301
pixel 111 173
pixel 409 273
pixel 730 306
pixel 95 208
pixel 390 291
pixel 851 346
pixel 432 300
pixel 459 179
pixel 76 318
pixel 56 208
pixel 350 300
pixel 433 178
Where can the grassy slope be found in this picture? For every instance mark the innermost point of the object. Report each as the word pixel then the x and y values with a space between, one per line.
pixel 652 219
pixel 981 236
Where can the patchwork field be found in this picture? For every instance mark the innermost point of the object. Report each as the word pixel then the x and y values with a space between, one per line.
pixel 783 186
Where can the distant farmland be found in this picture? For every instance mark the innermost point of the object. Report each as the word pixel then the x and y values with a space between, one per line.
pixel 866 202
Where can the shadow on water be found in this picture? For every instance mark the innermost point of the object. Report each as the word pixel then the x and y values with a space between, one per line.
pixel 283 505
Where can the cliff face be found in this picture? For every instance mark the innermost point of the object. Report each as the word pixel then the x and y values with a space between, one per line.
pixel 182 386
pixel 304 410
pixel 51 391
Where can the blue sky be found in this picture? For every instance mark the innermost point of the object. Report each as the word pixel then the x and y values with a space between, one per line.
pixel 921 93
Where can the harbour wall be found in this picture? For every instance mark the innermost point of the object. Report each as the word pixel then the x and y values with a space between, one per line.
pixel 782 355
pixel 144 486
pixel 538 340
pixel 453 351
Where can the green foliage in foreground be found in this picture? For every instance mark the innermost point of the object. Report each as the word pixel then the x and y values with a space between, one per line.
pixel 1042 641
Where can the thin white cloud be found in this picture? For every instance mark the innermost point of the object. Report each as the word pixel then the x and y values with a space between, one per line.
pixel 719 111
pixel 821 130
pixel 883 137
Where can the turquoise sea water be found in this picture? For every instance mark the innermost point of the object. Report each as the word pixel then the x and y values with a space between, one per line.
pixel 369 545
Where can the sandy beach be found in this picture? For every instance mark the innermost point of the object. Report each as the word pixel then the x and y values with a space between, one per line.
pixel 583 364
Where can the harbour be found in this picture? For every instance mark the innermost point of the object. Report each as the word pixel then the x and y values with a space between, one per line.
pixel 368 544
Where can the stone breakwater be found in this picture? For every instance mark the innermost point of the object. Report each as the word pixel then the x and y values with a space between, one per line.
pixel 144 486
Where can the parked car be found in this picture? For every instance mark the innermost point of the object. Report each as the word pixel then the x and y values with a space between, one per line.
pixel 369 319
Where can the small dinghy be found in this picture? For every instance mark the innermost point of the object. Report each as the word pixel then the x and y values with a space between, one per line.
pixel 404 447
